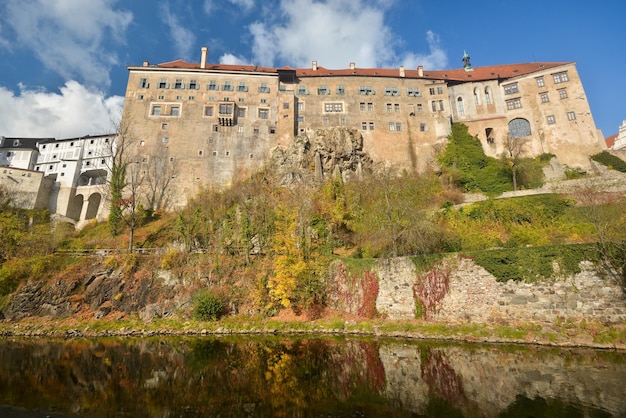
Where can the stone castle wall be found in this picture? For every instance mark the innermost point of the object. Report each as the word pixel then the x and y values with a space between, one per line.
pixel 474 295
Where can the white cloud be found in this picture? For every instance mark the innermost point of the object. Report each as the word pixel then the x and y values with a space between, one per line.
pixel 68 36
pixel 184 39
pixel 334 33
pixel 73 111
pixel 436 59
pixel 209 6
pixel 246 5
pixel 331 32
pixel 233 60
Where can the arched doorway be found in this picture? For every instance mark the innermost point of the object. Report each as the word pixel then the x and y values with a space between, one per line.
pixel 93 205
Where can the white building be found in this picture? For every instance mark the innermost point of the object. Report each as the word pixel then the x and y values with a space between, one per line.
pixel 77 168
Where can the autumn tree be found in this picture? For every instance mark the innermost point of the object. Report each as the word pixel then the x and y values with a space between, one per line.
pixel 513 150
pixel 159 172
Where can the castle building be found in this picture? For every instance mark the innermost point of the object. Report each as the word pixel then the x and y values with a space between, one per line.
pixel 218 122
pixel 65 176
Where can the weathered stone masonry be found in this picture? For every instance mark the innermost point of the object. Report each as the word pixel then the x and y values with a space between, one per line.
pixel 475 296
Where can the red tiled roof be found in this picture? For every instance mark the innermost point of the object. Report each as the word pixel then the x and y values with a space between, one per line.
pixel 217 67
pixel 457 74
pixel 610 141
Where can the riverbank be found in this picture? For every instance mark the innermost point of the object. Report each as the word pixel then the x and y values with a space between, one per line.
pixel 566 335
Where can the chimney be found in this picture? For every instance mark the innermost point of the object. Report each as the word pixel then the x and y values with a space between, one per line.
pixel 420 71
pixel 352 65
pixel 314 65
pixel 402 71
pixel 205 50
pixel 146 63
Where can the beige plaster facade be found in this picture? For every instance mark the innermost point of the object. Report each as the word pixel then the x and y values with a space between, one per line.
pixel 220 122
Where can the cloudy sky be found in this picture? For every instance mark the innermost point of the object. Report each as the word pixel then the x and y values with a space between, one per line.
pixel 63 62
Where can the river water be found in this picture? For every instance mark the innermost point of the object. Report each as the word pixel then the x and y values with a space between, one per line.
pixel 278 376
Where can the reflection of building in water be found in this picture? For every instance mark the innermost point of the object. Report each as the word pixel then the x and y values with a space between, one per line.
pixel 490 380
pixel 66 176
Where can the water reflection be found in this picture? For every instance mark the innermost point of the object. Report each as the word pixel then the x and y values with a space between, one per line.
pixel 282 376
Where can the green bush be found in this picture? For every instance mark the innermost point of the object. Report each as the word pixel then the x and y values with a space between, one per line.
pixel 610 160
pixel 208 306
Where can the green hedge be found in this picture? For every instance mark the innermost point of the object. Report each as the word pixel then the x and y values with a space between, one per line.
pixel 535 263
pixel 610 160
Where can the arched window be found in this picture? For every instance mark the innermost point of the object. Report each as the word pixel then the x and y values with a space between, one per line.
pixel 519 128
pixel 488 95
pixel 477 96
pixel 459 106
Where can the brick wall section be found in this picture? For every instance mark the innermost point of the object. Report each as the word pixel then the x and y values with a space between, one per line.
pixel 476 296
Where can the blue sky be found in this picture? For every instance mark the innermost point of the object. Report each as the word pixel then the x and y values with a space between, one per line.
pixel 63 62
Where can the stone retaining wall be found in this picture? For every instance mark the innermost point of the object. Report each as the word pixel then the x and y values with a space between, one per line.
pixel 475 296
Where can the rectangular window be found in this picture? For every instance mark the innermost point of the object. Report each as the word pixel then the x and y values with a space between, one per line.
pixel 560 77
pixel 423 127
pixel 286 105
pixel 242 87
pixel 511 88
pixel 364 126
pixel 178 84
pixel 143 83
pixel 389 107
pixel 420 108
pixel 341 89
pixel 439 90
pixel 544 97
pixel 214 128
pixel 514 104
pixel 175 111
pixel 563 93
pixel 302 90
pixel 391 91
pixel 433 106
pixel 571 116
pixel 242 112
pixel 323 90
pixel 240 129
pixel 396 107
pixel 325 121
pixel 366 91
pixel 163 84
pixel 300 106
pixel 227 86
pixel 264 113
pixel 300 119
pixel 398 126
pixel 208 111
pixel 370 107
pixel 156 110
pixel 371 126
pixel 413 92
pixel 431 91
pixel 362 106
pixel 165 140
pixel 212 85
pixel 263 88
pixel 551 120
pixel 540 82
pixel 193 85
pixel 226 109
pixel 392 126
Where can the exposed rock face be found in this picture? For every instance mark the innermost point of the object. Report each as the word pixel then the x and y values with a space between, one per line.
pixel 97 294
pixel 327 152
